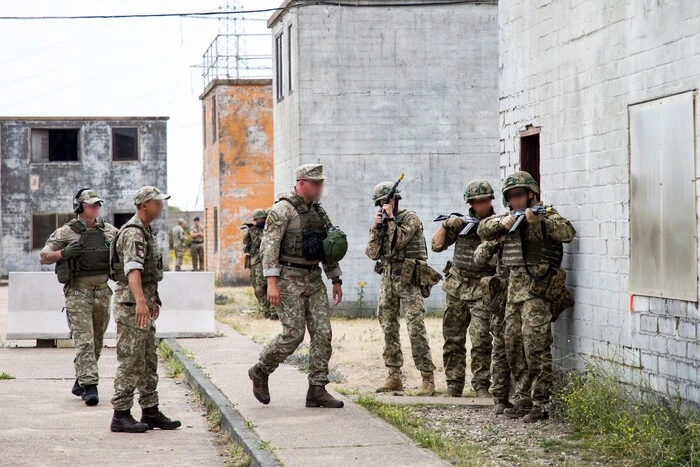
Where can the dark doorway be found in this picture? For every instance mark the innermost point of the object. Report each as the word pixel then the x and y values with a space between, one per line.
pixel 530 152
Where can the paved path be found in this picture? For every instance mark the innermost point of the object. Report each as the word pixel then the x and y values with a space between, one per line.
pixel 301 436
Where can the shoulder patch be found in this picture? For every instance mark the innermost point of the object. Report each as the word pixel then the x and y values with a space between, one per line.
pixel 140 249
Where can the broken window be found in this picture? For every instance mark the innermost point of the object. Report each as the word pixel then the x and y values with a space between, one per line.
pixel 125 144
pixel 54 145
pixel 279 62
pixel 121 218
pixel 43 226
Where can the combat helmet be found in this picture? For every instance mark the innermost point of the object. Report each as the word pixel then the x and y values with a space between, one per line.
pixel 519 180
pixel 382 190
pixel 259 214
pixel 478 189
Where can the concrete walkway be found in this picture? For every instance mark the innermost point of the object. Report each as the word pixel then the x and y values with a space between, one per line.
pixel 299 436
pixel 42 423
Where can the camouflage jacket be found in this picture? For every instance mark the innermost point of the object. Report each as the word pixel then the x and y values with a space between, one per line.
pixel 251 243
pixel 402 235
pixel 178 237
pixel 132 247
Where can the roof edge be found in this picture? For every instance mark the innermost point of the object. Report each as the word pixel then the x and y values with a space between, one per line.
pixel 235 82
pixel 74 118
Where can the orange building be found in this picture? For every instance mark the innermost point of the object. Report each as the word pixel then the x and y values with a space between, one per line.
pixel 238 168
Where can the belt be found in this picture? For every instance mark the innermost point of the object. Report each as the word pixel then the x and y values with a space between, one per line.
pixel 308 267
pixel 82 285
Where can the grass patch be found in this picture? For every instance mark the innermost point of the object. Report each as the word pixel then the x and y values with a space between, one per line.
pixel 174 369
pixel 626 421
pixel 416 428
pixel 4 375
pixel 235 455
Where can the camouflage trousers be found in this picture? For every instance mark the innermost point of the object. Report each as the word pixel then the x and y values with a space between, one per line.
pixel 394 295
pixel 259 283
pixel 137 359
pixel 500 370
pixel 87 312
pixel 179 255
pixel 461 315
pixel 304 306
pixel 197 252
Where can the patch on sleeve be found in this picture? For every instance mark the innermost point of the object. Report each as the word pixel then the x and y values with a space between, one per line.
pixel 140 249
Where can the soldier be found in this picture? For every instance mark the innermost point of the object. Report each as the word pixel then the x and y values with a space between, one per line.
pixel 464 308
pixel 197 247
pixel 81 249
pixel 532 254
pixel 292 249
pixel 179 238
pixel 393 245
pixel 251 241
pixel 137 267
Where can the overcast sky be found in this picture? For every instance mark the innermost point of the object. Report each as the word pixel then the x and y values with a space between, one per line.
pixel 117 67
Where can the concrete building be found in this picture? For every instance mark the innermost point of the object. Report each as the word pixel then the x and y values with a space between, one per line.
pixel 238 168
pixel 601 97
pixel 374 91
pixel 46 160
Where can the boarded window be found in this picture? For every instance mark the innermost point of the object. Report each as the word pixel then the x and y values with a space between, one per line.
pixel 43 226
pixel 125 144
pixel 663 244
pixel 54 145
pixel 279 63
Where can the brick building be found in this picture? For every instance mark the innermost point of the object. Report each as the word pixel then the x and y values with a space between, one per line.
pixel 601 98
pixel 238 168
pixel 371 92
pixel 46 160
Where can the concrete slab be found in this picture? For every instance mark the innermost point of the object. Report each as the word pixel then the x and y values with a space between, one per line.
pixel 348 436
pixel 42 423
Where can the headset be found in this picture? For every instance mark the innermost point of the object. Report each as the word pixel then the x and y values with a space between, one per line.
pixel 77 205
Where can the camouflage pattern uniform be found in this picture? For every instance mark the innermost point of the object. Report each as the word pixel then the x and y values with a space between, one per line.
pixel 303 294
pixel 136 347
pixel 178 234
pixel 252 241
pixel 197 248
pixel 87 304
pixel 528 317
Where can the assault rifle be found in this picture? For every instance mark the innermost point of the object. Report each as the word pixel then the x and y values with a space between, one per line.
pixel 247 225
pixel 520 216
pixel 471 222
pixel 385 218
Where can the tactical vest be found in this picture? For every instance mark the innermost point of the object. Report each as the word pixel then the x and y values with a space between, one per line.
pixel 152 263
pixel 92 257
pixel 255 240
pixel 537 252
pixel 312 219
pixel 415 249
pixel 463 258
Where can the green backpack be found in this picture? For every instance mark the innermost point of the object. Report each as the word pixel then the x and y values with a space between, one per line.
pixel 335 245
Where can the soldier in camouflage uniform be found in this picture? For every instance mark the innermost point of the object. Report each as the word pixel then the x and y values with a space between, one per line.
pixel 532 254
pixel 137 266
pixel 179 237
pixel 81 249
pixel 292 249
pixel 464 309
pixel 251 241
pixel 197 247
pixel 398 245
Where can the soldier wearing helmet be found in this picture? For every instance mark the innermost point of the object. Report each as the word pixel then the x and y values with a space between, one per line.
pixel 536 293
pixel 464 307
pixel 253 261
pixel 399 246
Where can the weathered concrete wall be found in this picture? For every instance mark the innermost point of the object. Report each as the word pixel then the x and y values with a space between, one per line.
pixel 573 68
pixel 379 91
pixel 238 169
pixel 48 187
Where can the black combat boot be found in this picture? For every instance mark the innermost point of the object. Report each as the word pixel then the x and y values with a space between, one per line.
pixel 122 421
pixel 90 395
pixel 154 418
pixel 77 389
pixel 259 379
pixel 317 396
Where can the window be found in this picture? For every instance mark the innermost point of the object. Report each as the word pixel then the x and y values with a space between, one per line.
pixel 663 245
pixel 213 119
pixel 290 59
pixel 530 152
pixel 279 61
pixel 216 230
pixel 125 144
pixel 54 145
pixel 43 226
pixel 121 218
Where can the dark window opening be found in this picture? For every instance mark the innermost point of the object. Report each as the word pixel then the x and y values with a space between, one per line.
pixel 290 59
pixel 121 218
pixel 52 145
pixel 43 226
pixel 530 153
pixel 125 144
pixel 213 119
pixel 279 61
pixel 216 230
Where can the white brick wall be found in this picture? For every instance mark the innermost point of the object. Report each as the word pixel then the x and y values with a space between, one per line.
pixel 385 90
pixel 572 67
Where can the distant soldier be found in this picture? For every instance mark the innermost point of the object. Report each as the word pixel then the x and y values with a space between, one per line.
pixel 462 285
pixel 532 252
pixel 400 247
pixel 292 248
pixel 197 247
pixel 179 237
pixel 251 247
pixel 81 249
pixel 137 266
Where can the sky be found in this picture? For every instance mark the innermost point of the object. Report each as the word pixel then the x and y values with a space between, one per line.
pixel 119 67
